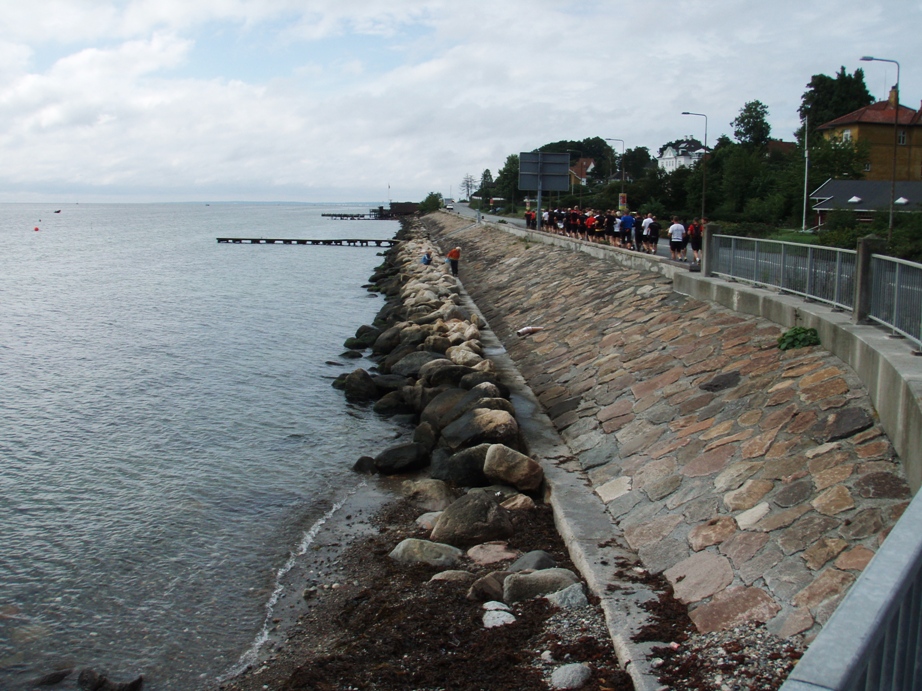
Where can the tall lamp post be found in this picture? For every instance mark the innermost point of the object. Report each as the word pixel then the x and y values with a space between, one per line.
pixel 896 129
pixel 704 159
pixel 612 139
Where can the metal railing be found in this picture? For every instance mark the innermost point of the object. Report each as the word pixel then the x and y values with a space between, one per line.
pixel 874 638
pixel 818 273
pixel 829 275
pixel 896 296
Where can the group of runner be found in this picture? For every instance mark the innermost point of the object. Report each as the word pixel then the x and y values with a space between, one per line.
pixel 626 230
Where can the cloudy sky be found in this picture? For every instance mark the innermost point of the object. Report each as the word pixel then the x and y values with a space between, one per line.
pixel 316 100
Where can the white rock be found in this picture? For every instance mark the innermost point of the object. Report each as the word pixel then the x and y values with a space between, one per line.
pixel 494 606
pixel 495 618
pixel 569 598
pixel 572 676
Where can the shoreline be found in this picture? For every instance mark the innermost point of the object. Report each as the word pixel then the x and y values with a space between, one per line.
pixel 369 507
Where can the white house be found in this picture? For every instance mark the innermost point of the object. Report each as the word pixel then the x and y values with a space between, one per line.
pixel 684 154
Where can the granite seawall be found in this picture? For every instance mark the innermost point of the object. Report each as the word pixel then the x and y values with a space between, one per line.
pixel 758 481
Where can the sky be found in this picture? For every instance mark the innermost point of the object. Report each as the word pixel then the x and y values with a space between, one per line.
pixel 365 100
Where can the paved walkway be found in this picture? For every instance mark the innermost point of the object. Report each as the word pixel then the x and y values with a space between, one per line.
pixel 757 480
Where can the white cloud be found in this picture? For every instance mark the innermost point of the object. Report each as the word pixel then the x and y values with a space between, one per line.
pixel 105 93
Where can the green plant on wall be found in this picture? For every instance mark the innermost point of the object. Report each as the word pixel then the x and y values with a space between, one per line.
pixel 798 337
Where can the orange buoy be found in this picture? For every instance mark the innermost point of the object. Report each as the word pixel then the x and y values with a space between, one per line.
pixel 36 228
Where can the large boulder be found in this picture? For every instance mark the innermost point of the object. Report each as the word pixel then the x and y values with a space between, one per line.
pixel 482 396
pixel 365 337
pixel 359 386
pixel 463 469
pixel 424 434
pixel 450 375
pixel 462 356
pixel 403 458
pixel 414 334
pixel 509 467
pixel 414 551
pixel 389 382
pixel 472 519
pixel 395 356
pixel 536 560
pixel 408 366
pixel 489 587
pixel 440 405
pixel 525 586
pixel 392 403
pixel 481 425
pixel 430 495
pixel 426 371
pixel 472 379
pixel 388 339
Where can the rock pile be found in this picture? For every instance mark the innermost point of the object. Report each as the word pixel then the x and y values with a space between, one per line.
pixel 431 368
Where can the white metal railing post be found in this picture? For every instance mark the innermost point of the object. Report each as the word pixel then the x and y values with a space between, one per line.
pixel 784 257
pixel 835 297
pixel 809 289
pixel 755 262
pixel 732 256
pixel 896 297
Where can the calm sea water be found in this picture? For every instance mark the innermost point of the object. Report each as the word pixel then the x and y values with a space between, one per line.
pixel 168 432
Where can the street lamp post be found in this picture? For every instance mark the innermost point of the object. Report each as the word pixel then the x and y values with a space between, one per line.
pixel 612 139
pixel 704 159
pixel 896 129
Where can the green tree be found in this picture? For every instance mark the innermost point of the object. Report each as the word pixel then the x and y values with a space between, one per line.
pixel 828 98
pixel 751 126
pixel 485 191
pixel 636 161
pixel 836 159
pixel 507 182
pixel 432 202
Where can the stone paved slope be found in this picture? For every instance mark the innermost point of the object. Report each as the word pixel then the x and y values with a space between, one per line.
pixel 757 480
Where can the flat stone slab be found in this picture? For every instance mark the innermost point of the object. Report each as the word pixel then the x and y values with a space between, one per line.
pixel 733 607
pixel 700 576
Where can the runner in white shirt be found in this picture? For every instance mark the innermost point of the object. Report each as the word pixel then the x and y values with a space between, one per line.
pixel 676 236
pixel 647 245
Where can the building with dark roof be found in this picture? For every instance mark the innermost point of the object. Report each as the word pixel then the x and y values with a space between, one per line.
pixel 865 197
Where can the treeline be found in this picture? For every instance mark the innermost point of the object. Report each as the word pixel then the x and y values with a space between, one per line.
pixel 751 183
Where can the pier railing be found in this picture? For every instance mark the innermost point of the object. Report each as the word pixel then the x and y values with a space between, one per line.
pixel 888 292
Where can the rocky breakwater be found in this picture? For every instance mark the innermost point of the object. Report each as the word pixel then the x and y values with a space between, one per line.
pixel 467 473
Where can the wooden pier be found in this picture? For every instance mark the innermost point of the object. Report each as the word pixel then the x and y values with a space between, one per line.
pixel 350 242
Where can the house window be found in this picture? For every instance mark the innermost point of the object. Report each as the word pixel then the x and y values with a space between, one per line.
pixel 846 135
pixel 901 138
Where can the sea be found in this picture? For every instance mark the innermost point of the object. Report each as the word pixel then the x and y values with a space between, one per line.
pixel 169 438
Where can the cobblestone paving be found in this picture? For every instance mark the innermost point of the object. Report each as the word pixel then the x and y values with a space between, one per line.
pixel 757 480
